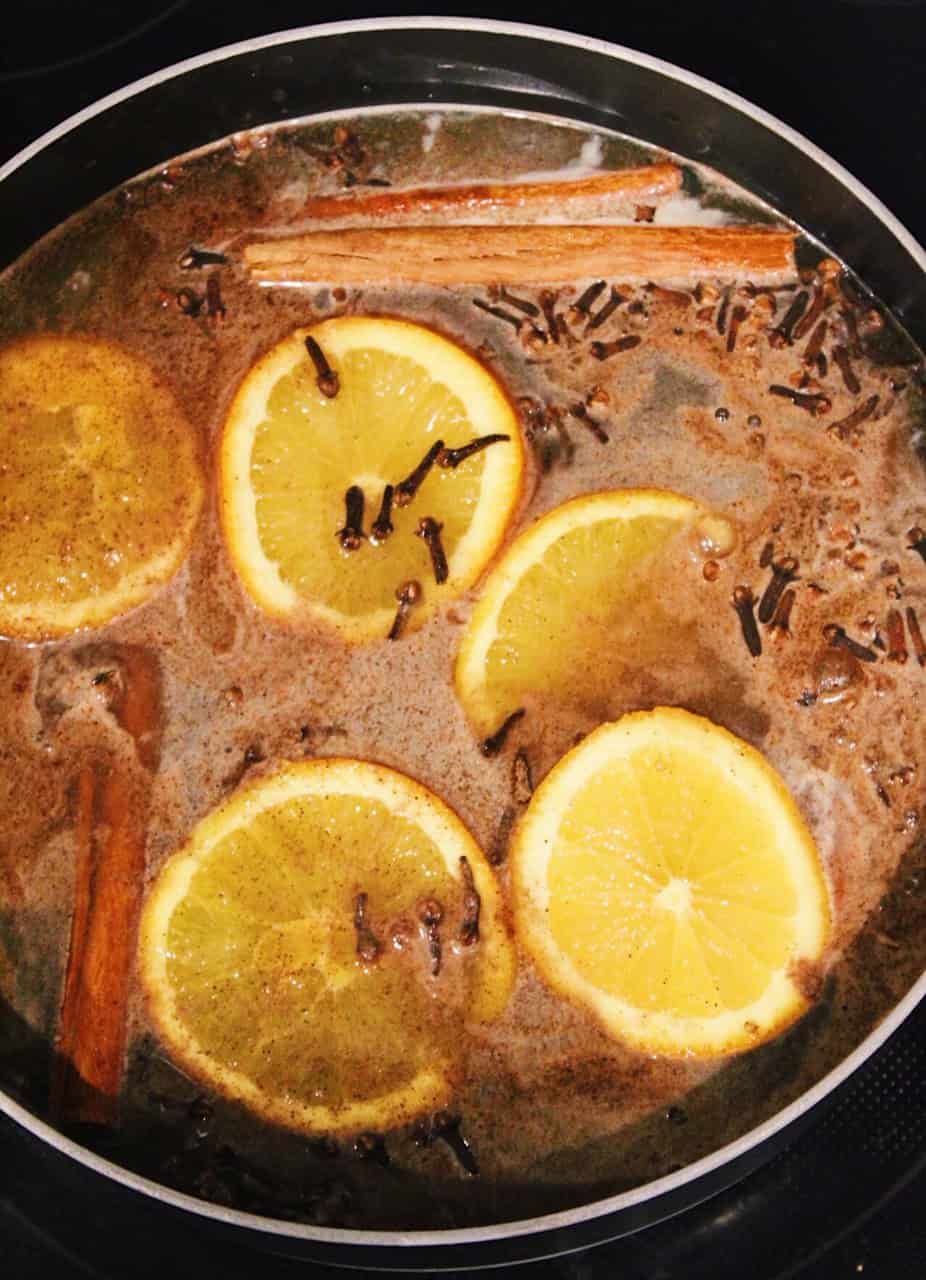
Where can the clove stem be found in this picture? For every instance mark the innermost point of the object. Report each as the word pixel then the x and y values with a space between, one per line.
pixel 841 359
pixel 810 316
pixel 381 527
pixel 839 639
pixel 407 488
pixel 896 644
pixel 815 403
pixel 548 306
pixel 736 319
pixel 781 623
pixel 498 312
pixel 782 335
pixel 606 311
pixel 845 426
pixel 408 595
pixel 584 303
pixel 743 603
pixel 723 311
pixel 453 457
pixel 521 304
pixel 782 574
pixel 351 535
pixel 602 350
pixel 429 530
pixel 916 635
pixel 327 381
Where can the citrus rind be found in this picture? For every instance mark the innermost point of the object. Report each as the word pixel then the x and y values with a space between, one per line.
pixel 48 373
pixel 489 412
pixel 654 1031
pixel 527 550
pixel 430 1087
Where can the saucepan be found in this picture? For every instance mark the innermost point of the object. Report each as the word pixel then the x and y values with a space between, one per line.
pixel 425 62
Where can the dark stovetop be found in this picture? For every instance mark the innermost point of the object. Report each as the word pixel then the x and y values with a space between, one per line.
pixel 846 1197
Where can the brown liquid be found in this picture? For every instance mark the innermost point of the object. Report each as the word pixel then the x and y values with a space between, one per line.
pixel 557 1112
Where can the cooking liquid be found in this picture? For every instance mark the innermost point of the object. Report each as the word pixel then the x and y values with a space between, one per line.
pixel 556 1111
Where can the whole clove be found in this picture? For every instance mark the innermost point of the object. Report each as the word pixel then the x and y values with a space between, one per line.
pixel 215 307
pixel 431 913
pixel 723 310
pixel 781 623
pixel 854 342
pixel 521 304
pixel 499 313
pixel 765 556
pixel 189 302
pixel 369 947
pixel 429 530
pixel 580 412
pixel 586 300
pixel 814 347
pixel 453 457
pixel 406 489
pixel 917 542
pixel 327 380
pixel 472 905
pixel 815 403
pixel 615 298
pixel 603 350
pixel 845 426
pixel 782 574
pixel 841 360
pixel 743 602
pixel 192 259
pixel 810 316
pixel 408 595
pixel 446 1127
pixel 351 536
pixel 382 526
pixel 840 639
pixel 783 334
pixel 916 636
pixel 548 305
pixel 896 642
pixel 737 317
pixel 493 744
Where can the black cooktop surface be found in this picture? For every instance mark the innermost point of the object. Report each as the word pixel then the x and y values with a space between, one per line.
pixel 846 1198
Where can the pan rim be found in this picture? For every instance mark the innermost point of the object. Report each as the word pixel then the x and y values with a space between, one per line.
pixel 730 1152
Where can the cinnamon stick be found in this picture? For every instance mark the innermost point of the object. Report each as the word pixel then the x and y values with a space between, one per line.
pixel 110 828
pixel 595 195
pixel 545 254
